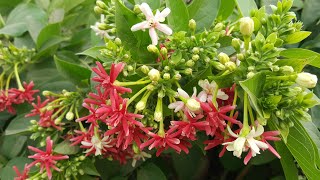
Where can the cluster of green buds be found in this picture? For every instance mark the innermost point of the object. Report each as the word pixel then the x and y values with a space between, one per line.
pixel 107 14
pixel 72 168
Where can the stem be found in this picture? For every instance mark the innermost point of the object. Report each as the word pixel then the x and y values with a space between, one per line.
pixel 214 97
pixel 16 72
pixel 1 80
pixel 251 114
pixel 245 111
pixel 234 101
pixel 177 83
pixel 136 95
pixel 246 42
pixel 77 116
pixel 8 83
pixel 117 83
pixel 284 78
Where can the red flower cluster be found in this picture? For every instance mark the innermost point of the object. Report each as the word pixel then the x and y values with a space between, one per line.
pixel 16 96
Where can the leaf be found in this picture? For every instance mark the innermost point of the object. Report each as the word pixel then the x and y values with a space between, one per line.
pixel 245 7
pixel 20 17
pixel 310 12
pixel 154 4
pixel 89 168
pixel 296 64
pixel 150 172
pixel 298 53
pixel 65 148
pixel 34 25
pixel 178 19
pixel 7 173
pixel 51 30
pixel 226 9
pixel 93 52
pixel 11 146
pixel 19 124
pixel 75 73
pixel 297 37
pixel 254 87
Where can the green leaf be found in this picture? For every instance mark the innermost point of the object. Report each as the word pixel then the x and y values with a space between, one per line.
pixel 178 19
pixel 298 53
pixel 310 12
pixel 289 167
pixel 297 64
pixel 65 148
pixel 297 37
pixel 18 125
pixel 11 146
pixel 75 73
pixel 226 9
pixel 150 171
pixel 204 12
pixel 245 7
pixel 20 17
pixel 154 4
pixel 7 173
pixel 254 87
pixel 89 168
pixel 93 52
pixel 51 30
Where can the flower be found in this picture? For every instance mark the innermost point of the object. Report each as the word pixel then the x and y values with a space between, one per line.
pixel 208 91
pixel 246 26
pixel 96 145
pixel 99 32
pixel 245 140
pixel 141 155
pixel 26 94
pixel 189 104
pixel 23 175
pixel 307 80
pixel 6 103
pixel 153 22
pixel 46 159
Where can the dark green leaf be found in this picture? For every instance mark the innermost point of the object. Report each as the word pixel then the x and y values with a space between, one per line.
pixel 8 173
pixel 203 12
pixel 150 172
pixel 18 125
pixel 178 19
pixel 77 74
pixel 11 146
pixel 65 148
pixel 310 12
pixel 51 30
pixel 89 168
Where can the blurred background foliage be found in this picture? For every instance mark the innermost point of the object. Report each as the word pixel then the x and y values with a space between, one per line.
pixel 61 28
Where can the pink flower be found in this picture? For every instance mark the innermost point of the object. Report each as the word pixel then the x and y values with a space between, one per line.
pixel 46 159
pixel 6 103
pixel 208 90
pixel 20 96
pixel 107 82
pixel 23 175
pixel 169 140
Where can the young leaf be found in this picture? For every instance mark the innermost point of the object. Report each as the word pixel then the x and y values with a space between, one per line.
pixel 150 172
pixel 178 19
pixel 297 37
pixel 204 12
pixel 75 73
pixel 245 7
pixel 93 52
pixel 226 9
pixel 298 53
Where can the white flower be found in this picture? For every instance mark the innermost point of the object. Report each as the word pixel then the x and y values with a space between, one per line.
pixel 243 143
pixel 97 144
pixel 99 32
pixel 208 91
pixel 188 103
pixel 153 22
pixel 307 80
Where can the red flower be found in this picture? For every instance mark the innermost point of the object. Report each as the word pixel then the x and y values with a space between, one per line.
pixel 230 93
pixel 81 136
pixel 23 175
pixel 6 103
pixel 46 158
pixel 216 117
pixel 105 81
pixel 37 107
pixel 20 96
pixel 169 140
pixel 189 127
pixel 271 136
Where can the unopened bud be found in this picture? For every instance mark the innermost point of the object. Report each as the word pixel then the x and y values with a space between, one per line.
pixel 188 71
pixel 98 10
pixel 177 76
pixel 117 41
pixel 195 57
pixel 145 69
pixel 130 68
pixel 46 93
pixel 287 69
pixel 236 43
pixel 166 76
pixel 70 116
pixel 153 49
pixel 158 116
pixel 196 50
pixel 58 121
pixel 136 9
pixel 190 63
pixel 218 27
pixel 192 24
pixel 240 57
pixel 140 105
pixel 164 51
pixel 33 122
pixel 231 66
pixel 250 75
pixel 246 26
pixel 307 80
pixel 223 58
pixel 193 105
pixel 101 4
pixel 218 65
pixel 154 75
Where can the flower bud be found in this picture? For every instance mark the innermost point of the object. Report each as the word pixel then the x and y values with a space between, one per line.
pixel 196 50
pixel 136 9
pixel 188 71
pixel 98 10
pixel 33 122
pixel 117 41
pixel 166 76
pixel 154 75
pixel 246 26
pixel 195 57
pixel 250 75
pixel 236 44
pixel 177 76
pixel 158 116
pixel 101 4
pixel 140 105
pixel 307 80
pixel 223 58
pixel 231 66
pixel 46 93
pixel 166 68
pixel 145 69
pixel 164 51
pixel 218 27
pixel 240 57
pixel 193 105
pixel 218 65
pixel 70 116
pixel 192 24
pixel 190 63
pixel 153 49
pixel 287 69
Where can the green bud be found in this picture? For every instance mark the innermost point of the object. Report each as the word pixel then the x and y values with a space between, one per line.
pixel 190 63
pixel 153 49
pixel 275 68
pixel 166 68
pixel 195 57
pixel 101 4
pixel 240 57
pixel 236 43
pixel 58 120
pixel 154 75
pixel 70 116
pixel 130 68
pixel 251 68
pixel 98 10
pixel 141 105
pixel 34 122
pixel 231 66
pixel 136 9
pixel 188 71
pixel 177 76
pixel 145 69
pixel 223 58
pixel 218 65
pixel 246 26
pixel 192 24
pixel 103 26
pixel 196 50
pixel 287 69
pixel 218 27
pixel 164 51
pixel 166 76
pixel 46 93
pixel 117 41
pixel 81 171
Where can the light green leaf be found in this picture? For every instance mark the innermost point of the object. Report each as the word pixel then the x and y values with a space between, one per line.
pixel 226 9
pixel 93 52
pixel 245 7
pixel 75 73
pixel 65 148
pixel 297 37
pixel 254 88
pixel 297 64
pixel 298 53
pixel 178 19
pixel 204 12
pixel 150 172
pixel 154 4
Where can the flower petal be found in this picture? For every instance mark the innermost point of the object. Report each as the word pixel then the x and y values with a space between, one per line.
pixel 239 143
pixel 253 145
pixel 153 36
pixel 140 26
pixel 146 10
pixel 183 93
pixel 164 28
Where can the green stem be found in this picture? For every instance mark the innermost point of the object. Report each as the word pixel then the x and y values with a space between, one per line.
pixel 8 82
pixel 136 95
pixel 77 116
pixel 284 78
pixel 1 80
pixel 251 114
pixel 117 83
pixel 246 42
pixel 16 72
pixel 234 102
pixel 245 111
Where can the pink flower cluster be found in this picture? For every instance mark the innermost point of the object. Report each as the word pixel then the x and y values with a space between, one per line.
pixel 16 96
